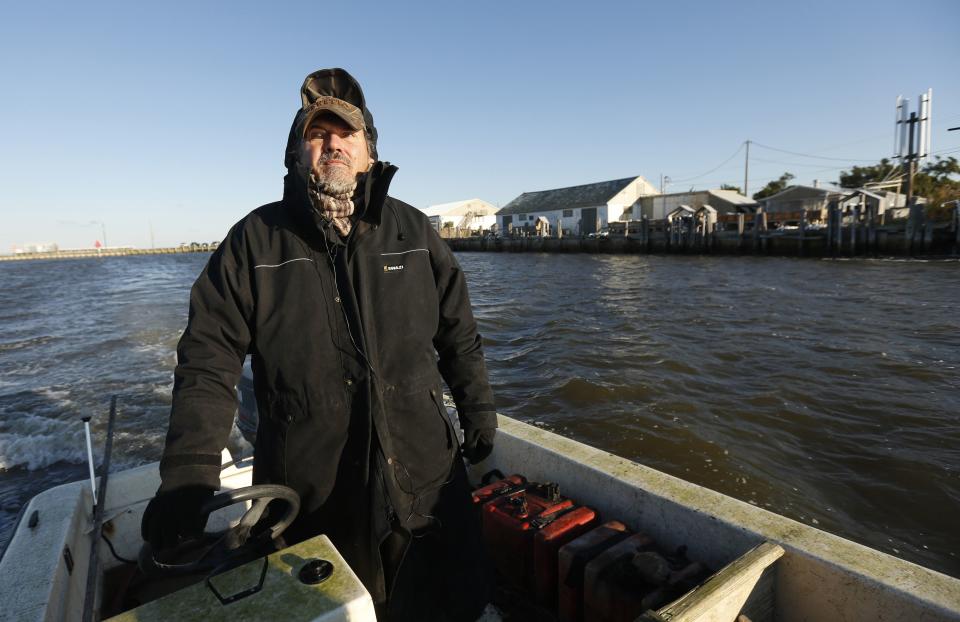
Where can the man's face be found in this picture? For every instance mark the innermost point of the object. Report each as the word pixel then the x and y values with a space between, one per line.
pixel 336 154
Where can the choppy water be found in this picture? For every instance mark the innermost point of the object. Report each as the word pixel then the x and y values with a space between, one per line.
pixel 827 391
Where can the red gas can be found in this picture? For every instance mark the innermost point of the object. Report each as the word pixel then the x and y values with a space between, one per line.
pixel 573 558
pixel 554 531
pixel 506 486
pixel 509 526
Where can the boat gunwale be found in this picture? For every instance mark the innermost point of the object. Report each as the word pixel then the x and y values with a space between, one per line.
pixel 809 550
pixel 837 573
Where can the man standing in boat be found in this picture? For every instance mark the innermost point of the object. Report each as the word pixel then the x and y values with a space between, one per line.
pixel 354 312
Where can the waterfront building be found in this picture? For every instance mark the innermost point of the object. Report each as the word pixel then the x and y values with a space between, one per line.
pixel 579 210
pixel 817 200
pixel 470 215
pixel 661 206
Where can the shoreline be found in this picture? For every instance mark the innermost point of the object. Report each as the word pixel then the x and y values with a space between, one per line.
pixel 108 252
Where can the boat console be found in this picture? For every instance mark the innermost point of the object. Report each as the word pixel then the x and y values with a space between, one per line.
pixel 309 581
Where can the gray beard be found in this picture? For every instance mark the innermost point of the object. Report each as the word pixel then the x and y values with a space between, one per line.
pixel 335 181
pixel 337 185
pixel 337 189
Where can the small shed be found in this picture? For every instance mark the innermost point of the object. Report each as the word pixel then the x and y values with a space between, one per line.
pixel 681 211
pixel 706 218
pixel 883 204
pixel 542 226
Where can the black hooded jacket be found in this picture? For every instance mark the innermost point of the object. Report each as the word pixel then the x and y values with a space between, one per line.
pixel 271 290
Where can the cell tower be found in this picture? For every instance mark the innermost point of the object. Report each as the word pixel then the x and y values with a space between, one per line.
pixel 911 137
pixel 908 143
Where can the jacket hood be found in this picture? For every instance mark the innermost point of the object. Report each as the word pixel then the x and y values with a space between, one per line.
pixel 335 83
pixel 372 185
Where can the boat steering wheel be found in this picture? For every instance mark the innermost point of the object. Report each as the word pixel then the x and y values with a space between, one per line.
pixel 219 551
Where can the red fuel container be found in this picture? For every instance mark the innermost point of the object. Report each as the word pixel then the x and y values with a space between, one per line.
pixel 506 486
pixel 611 590
pixel 573 558
pixel 509 524
pixel 563 526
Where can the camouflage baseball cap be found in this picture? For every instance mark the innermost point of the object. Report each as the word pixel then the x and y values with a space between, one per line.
pixel 347 112
pixel 335 91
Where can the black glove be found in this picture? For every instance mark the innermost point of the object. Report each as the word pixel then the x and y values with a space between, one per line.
pixel 477 443
pixel 174 516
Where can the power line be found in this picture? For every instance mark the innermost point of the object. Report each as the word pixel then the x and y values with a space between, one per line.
pixel 718 182
pixel 764 160
pixel 889 176
pixel 945 151
pixel 673 181
pixel 807 155
pixel 894 168
pixel 785 163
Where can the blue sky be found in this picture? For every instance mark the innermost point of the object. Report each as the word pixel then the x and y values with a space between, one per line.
pixel 174 115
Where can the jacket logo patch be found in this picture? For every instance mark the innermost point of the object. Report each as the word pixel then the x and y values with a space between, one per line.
pixel 396 268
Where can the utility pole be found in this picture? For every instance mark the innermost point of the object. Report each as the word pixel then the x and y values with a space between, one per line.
pixel 152 246
pixel 664 180
pixel 910 162
pixel 746 171
pixel 912 145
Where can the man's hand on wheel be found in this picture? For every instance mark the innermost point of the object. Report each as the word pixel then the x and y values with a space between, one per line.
pixel 174 516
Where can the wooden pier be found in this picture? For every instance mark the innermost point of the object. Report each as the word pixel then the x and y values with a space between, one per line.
pixel 841 235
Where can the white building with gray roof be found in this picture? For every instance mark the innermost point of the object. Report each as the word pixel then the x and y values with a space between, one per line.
pixel 580 210
pixel 468 214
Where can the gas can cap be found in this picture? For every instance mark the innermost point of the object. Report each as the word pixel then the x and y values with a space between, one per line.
pixel 315 571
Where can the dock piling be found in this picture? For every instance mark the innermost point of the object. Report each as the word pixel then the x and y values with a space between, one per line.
pixel 909 231
pixel 803 230
pixel 956 228
pixel 854 227
pixel 756 230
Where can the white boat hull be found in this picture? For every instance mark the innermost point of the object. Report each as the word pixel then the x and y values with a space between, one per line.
pixel 819 577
